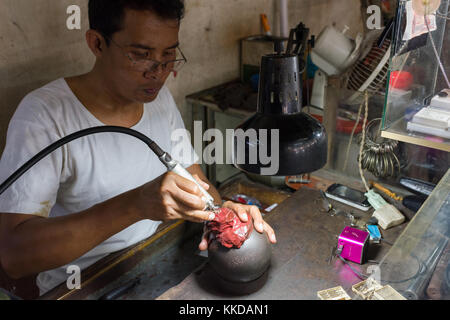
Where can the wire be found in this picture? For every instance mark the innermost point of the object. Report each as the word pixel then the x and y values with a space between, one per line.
pixel 351 136
pixel 366 114
pixel 28 165
pixel 359 274
pixel 436 52
pixel 422 268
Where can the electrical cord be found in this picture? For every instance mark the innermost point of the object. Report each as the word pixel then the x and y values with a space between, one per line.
pixel 421 269
pixel 436 52
pixel 357 273
pixel 112 129
pixel 366 115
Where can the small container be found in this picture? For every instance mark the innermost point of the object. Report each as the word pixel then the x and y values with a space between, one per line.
pixel 401 80
pixel 353 244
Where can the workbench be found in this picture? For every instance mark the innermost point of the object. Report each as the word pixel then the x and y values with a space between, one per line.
pixel 169 266
pixel 301 263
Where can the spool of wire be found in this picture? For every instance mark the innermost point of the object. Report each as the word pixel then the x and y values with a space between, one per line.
pixel 378 155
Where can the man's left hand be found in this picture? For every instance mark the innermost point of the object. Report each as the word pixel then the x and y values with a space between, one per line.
pixel 244 211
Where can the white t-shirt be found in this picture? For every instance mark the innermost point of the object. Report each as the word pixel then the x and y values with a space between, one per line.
pixel 86 171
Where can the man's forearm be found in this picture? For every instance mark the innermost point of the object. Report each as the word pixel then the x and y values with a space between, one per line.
pixel 40 244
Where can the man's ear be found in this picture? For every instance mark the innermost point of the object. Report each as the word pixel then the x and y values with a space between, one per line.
pixel 96 42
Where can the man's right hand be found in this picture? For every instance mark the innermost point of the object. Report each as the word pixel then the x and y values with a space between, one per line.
pixel 172 197
pixel 30 244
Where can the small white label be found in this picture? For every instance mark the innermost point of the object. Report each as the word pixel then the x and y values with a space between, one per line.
pixel 272 207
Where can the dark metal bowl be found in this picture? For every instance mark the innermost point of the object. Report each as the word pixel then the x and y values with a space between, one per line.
pixel 240 288
pixel 245 264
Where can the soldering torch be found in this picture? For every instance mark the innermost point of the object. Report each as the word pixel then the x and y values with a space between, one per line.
pixel 164 157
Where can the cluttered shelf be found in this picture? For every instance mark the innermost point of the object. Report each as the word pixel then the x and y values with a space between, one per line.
pixel 398 131
pixel 417 108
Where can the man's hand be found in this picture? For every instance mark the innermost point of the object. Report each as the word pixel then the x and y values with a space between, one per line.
pixel 243 211
pixel 30 244
pixel 172 197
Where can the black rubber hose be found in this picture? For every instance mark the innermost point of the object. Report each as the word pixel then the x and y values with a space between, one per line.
pixel 16 175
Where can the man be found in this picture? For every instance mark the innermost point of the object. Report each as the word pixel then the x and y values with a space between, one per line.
pixel 104 192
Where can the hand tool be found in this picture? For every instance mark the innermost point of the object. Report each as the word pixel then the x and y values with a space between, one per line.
pixel 174 166
pixel 163 156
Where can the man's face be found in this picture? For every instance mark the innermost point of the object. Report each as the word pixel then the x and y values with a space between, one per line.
pixel 144 34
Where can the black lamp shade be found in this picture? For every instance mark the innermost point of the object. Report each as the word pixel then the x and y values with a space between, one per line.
pixel 302 142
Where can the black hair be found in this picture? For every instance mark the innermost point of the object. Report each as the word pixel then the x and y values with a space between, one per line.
pixel 106 16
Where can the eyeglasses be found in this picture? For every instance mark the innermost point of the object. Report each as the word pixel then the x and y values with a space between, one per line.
pixel 140 61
